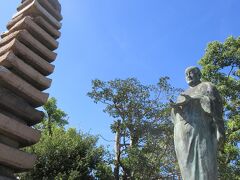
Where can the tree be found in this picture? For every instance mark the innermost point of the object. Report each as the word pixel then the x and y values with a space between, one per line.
pixel 66 154
pixel 53 115
pixel 220 65
pixel 142 127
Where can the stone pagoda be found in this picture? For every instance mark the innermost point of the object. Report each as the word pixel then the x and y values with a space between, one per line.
pixel 26 53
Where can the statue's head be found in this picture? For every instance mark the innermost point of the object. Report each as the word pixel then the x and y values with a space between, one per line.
pixel 193 76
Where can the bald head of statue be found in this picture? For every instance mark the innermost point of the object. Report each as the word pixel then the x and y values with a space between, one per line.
pixel 193 76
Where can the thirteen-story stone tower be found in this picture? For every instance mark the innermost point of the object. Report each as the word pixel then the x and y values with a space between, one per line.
pixel 26 54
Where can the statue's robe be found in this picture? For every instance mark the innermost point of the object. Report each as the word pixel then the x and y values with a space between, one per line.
pixel 195 132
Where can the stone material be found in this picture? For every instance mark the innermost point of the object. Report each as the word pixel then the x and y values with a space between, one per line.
pixel 56 5
pixel 9 141
pixel 11 128
pixel 6 178
pixel 36 9
pixel 35 30
pixel 51 6
pixel 20 87
pixel 5 111
pixel 25 71
pixel 16 105
pixel 16 159
pixel 198 128
pixel 6 173
pixel 26 54
pixel 47 27
pixel 28 40
pixel 23 4
pixel 53 10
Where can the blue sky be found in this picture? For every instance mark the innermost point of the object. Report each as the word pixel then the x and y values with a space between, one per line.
pixel 146 39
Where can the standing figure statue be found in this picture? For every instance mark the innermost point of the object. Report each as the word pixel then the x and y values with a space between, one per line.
pixel 198 128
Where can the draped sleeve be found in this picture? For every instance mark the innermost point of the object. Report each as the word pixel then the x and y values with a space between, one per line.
pixel 212 104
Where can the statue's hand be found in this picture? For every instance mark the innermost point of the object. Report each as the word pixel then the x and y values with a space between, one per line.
pixel 187 98
pixel 172 104
pixel 183 100
pixel 175 105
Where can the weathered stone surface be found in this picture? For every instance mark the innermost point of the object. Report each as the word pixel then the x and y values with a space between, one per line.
pixel 13 22
pixel 8 141
pixel 51 7
pixel 28 40
pixel 47 27
pixel 24 4
pixel 35 30
pixel 23 134
pixel 25 59
pixel 23 89
pixel 6 173
pixel 41 22
pixel 16 159
pixel 13 116
pixel 55 4
pixel 35 9
pixel 14 104
pixel 28 56
pixel 23 70
pixel 6 178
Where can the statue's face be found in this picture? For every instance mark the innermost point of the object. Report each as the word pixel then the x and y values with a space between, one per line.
pixel 192 77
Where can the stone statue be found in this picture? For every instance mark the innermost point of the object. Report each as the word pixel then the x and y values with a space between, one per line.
pixel 198 128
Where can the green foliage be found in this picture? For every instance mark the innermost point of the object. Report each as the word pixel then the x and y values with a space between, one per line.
pixel 220 65
pixel 66 154
pixel 53 116
pixel 145 127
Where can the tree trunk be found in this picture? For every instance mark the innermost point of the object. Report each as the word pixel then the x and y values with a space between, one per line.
pixel 49 123
pixel 117 151
pixel 133 143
